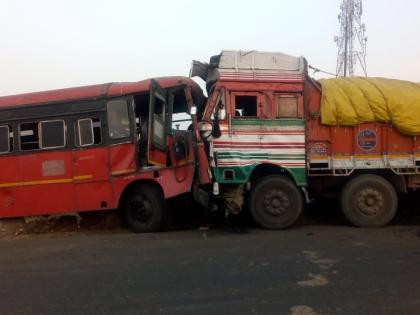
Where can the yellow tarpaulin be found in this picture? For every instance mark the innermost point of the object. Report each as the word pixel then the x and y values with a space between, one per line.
pixel 351 101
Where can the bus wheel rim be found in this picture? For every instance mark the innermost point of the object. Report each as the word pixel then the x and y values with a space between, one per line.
pixel 141 210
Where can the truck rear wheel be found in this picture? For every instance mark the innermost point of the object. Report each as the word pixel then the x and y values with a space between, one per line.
pixel 369 201
pixel 275 202
pixel 145 209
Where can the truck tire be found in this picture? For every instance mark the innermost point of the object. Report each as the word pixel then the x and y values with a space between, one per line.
pixel 369 201
pixel 145 209
pixel 275 202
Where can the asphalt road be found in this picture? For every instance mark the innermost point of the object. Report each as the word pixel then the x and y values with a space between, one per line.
pixel 310 269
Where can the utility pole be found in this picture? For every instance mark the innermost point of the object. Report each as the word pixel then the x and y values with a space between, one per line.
pixel 352 40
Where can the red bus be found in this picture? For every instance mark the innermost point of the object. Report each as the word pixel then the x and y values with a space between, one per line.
pixel 108 146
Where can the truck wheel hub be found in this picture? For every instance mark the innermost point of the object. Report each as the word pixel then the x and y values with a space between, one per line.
pixel 276 202
pixel 370 202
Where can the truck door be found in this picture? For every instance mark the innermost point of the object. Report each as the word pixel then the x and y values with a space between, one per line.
pixel 157 129
pixel 245 129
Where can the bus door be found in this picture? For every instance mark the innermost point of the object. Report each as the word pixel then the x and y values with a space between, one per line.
pixel 121 136
pixel 180 139
pixel 157 128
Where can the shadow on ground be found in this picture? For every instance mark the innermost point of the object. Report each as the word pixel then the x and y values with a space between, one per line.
pixel 185 216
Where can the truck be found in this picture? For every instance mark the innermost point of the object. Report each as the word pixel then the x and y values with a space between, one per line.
pixel 270 152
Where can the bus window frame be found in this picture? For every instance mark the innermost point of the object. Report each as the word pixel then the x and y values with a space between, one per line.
pixel 8 139
pixel 40 148
pixel 78 134
pixel 131 117
pixel 40 136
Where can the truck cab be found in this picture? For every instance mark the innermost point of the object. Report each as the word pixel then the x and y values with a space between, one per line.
pixel 256 147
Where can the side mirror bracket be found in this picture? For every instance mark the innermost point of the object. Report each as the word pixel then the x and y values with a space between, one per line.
pixel 216 133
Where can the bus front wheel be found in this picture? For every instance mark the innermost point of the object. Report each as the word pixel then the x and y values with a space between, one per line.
pixel 145 209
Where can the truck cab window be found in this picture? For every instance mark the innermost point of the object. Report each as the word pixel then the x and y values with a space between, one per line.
pixel 287 106
pixel 118 119
pixel 245 106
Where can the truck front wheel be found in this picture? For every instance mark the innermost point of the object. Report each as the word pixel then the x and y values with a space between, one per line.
pixel 145 209
pixel 275 202
pixel 369 201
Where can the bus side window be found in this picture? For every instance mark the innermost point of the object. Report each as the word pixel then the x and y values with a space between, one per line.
pixel 29 138
pixel 52 134
pixel 118 119
pixel 6 139
pixel 181 118
pixel 88 132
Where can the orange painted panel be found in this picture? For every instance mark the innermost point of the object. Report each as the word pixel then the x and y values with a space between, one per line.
pixel 122 158
pixel 45 166
pixel 8 167
pixel 92 187
pixel 41 199
pixel 92 162
pixel 93 195
pixel 397 142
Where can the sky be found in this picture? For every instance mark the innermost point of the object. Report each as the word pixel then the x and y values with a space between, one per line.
pixel 49 44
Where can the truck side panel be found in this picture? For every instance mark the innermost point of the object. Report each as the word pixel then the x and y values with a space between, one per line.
pixel 341 150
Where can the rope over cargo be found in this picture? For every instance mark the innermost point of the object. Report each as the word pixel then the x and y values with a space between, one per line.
pixel 352 101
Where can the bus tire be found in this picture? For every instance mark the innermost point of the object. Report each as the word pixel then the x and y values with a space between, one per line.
pixel 369 201
pixel 145 209
pixel 275 202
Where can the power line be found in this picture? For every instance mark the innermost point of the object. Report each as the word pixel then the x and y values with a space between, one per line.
pixel 322 71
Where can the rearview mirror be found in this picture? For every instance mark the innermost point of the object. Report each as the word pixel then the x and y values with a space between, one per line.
pixel 222 113
pixel 193 110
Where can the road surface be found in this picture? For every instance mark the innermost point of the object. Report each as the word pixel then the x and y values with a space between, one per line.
pixel 309 269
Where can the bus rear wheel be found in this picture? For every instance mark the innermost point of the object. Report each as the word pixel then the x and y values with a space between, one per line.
pixel 275 202
pixel 369 201
pixel 145 209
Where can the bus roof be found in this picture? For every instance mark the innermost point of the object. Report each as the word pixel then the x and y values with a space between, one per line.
pixel 113 89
